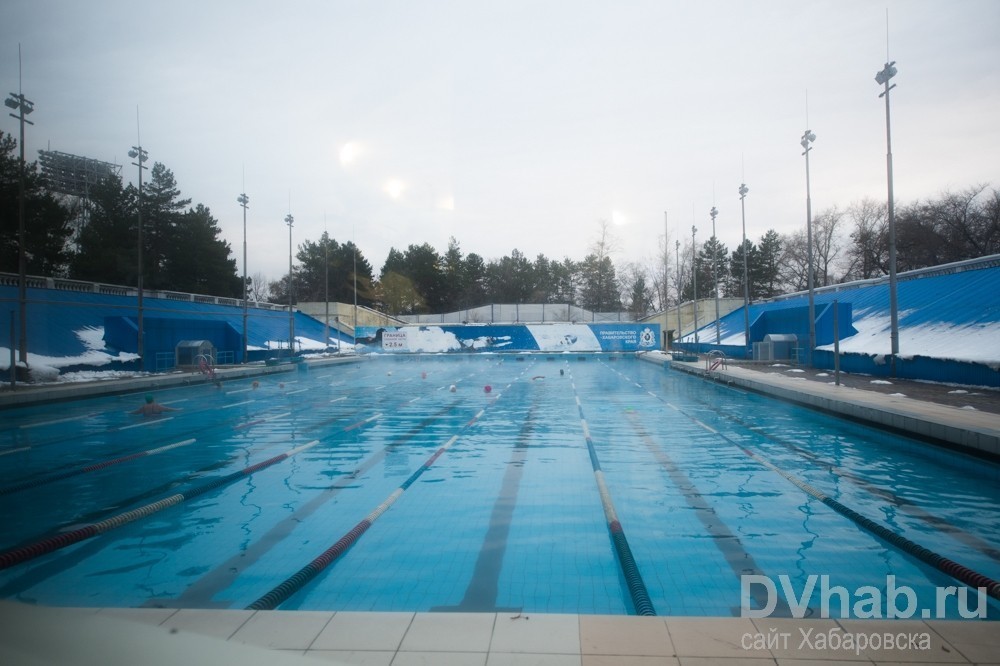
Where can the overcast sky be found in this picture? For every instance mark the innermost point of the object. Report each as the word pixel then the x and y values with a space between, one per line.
pixel 513 124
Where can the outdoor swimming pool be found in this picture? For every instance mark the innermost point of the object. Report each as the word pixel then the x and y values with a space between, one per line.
pixel 372 486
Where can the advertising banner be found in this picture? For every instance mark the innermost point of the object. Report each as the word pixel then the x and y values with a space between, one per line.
pixel 552 338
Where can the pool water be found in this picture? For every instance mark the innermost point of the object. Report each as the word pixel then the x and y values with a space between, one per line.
pixel 509 515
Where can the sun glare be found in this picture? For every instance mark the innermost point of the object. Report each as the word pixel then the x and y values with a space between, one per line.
pixel 394 188
pixel 618 218
pixel 349 152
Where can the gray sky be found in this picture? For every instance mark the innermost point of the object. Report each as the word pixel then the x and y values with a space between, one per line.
pixel 513 124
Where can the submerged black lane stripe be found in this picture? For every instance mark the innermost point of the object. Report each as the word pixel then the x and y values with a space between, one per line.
pixel 481 593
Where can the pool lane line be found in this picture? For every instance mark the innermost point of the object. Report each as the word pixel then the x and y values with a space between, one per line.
pixel 22 554
pixel 941 524
pixel 482 589
pixel 92 467
pixel 143 424
pixel 281 593
pixel 739 559
pixel 39 424
pixel 172 483
pixel 943 564
pixel 633 579
pixel 17 450
pixel 200 593
pixel 937 522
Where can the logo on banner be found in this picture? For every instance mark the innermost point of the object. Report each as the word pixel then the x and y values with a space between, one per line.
pixel 647 338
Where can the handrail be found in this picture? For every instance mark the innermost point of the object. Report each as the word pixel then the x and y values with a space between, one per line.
pixel 714 359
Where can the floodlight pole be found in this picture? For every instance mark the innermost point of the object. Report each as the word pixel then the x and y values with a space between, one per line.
pixel 807 138
pixel 140 155
pixel 243 200
pixel 694 279
pixel 883 78
pixel 715 273
pixel 23 106
pixel 326 293
pixel 289 220
pixel 677 251
pixel 746 272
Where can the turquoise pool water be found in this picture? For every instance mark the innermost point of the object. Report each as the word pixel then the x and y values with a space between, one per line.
pixel 509 515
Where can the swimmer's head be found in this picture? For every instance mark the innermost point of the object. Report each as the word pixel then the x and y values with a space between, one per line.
pixel 149 398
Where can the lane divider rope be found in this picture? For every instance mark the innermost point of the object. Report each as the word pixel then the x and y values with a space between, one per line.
pixel 957 571
pixel 21 554
pixel 281 593
pixel 633 579
pixel 92 468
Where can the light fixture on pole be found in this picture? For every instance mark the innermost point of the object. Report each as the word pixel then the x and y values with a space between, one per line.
pixel 677 251
pixel 807 138
pixel 883 79
pixel 289 220
pixel 715 273
pixel 243 200
pixel 18 102
pixel 139 155
pixel 746 272
pixel 694 279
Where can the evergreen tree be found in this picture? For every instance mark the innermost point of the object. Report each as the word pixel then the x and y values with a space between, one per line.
pixel 330 259
pixel 598 284
pixel 199 261
pixel 162 209
pixel 765 273
pixel 46 223
pixel 106 245
pixel 733 286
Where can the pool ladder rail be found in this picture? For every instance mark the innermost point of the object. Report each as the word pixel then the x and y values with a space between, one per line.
pixel 716 359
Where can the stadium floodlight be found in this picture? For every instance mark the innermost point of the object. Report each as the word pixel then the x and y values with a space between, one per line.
pixel 139 155
pixel 23 106
pixel 243 200
pixel 694 282
pixel 715 272
pixel 807 138
pixel 746 273
pixel 289 220
pixel 882 78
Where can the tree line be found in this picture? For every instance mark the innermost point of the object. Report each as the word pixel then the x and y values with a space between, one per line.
pixel 183 250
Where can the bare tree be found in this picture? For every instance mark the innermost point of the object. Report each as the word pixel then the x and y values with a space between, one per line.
pixel 258 289
pixel 794 260
pixel 868 253
pixel 827 244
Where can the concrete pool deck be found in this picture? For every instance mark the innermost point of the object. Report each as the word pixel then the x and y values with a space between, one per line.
pixel 32 635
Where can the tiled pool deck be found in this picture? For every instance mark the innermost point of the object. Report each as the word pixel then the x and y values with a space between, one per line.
pixel 31 635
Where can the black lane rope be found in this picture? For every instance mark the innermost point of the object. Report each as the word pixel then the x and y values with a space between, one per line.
pixel 280 593
pixel 201 430
pixel 92 468
pixel 914 510
pixel 937 522
pixel 957 571
pixel 201 591
pixel 24 553
pixel 633 579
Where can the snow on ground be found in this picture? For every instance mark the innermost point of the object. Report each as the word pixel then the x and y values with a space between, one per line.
pixel 976 342
pixel 46 369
